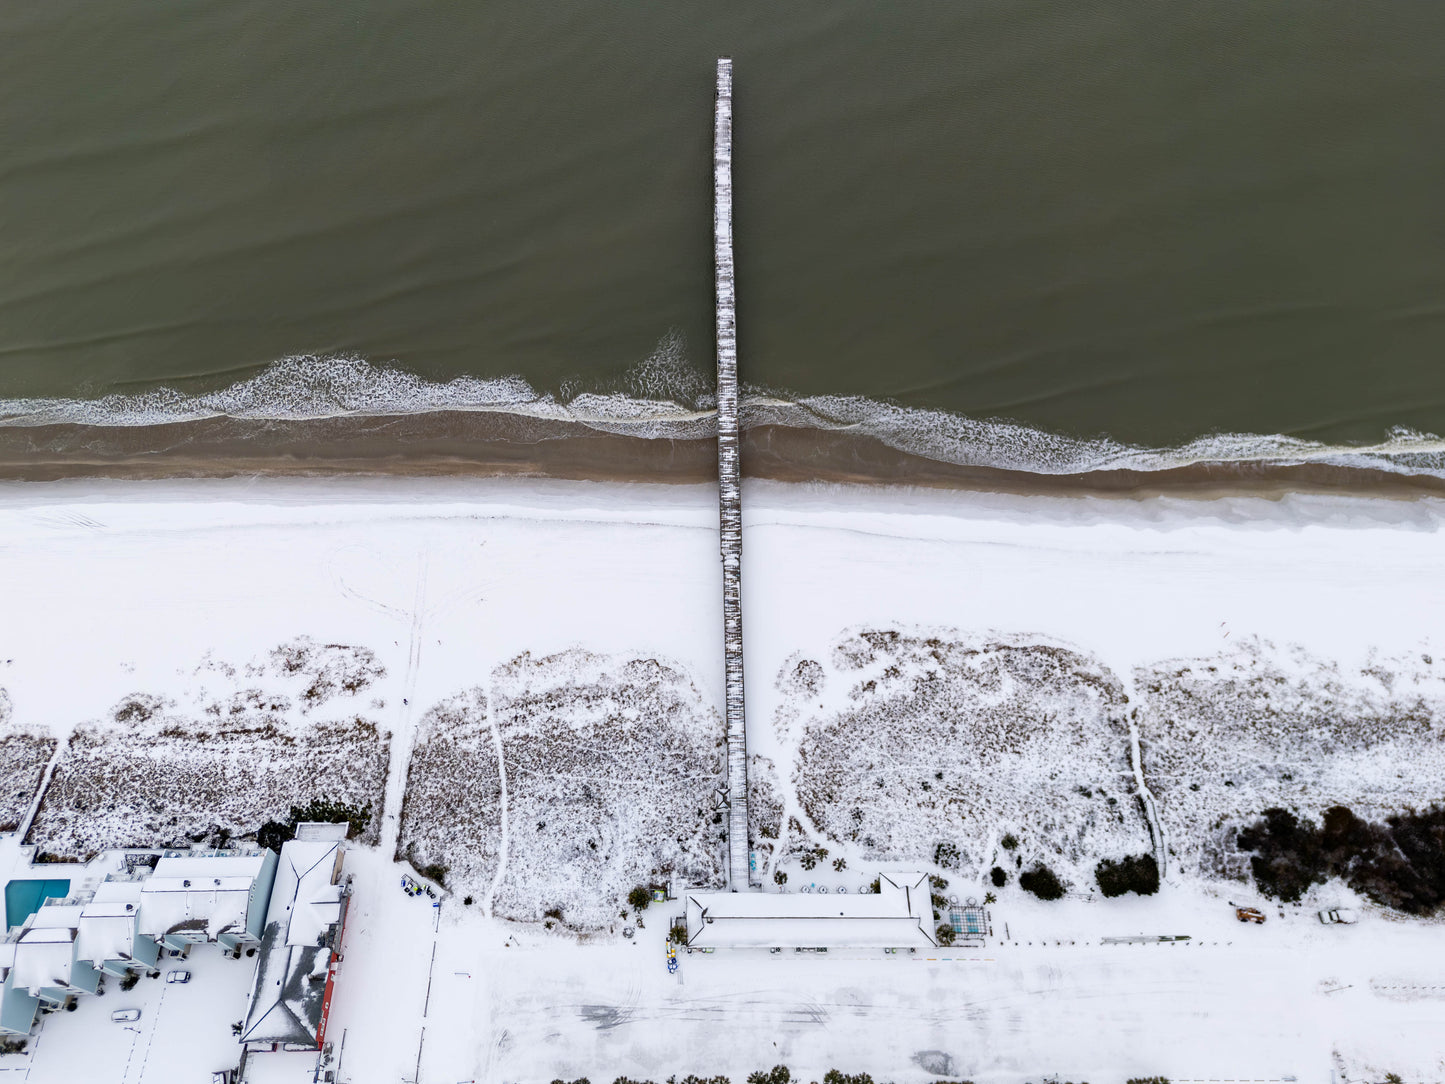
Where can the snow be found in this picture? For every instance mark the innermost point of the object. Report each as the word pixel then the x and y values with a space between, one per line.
pixel 505 619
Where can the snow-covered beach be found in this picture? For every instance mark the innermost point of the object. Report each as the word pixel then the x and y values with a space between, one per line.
pixel 306 614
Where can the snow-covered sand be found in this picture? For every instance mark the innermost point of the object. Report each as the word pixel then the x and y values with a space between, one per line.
pixel 174 589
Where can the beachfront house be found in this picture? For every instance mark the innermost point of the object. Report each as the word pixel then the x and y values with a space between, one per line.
pixel 898 916
pixel 300 947
pixel 196 897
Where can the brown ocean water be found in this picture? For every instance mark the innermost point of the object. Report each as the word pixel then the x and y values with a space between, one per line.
pixel 1138 222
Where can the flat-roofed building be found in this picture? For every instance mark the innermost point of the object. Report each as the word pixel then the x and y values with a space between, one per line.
pixel 216 896
pixel 898 915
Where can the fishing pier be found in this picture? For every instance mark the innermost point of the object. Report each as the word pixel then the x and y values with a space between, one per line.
pixel 729 477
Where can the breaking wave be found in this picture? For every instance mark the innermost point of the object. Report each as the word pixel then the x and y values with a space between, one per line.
pixel 665 398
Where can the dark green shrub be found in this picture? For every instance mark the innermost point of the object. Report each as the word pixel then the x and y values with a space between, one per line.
pixel 1399 864
pixel 779 1074
pixel 1148 1080
pixel 1042 882
pixel 832 1076
pixel 1288 857
pixel 639 898
pixel 945 934
pixel 1137 873
pixel 999 876
pixel 1009 842
pixel 946 855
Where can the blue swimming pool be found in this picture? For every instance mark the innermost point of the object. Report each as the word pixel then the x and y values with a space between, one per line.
pixel 23 898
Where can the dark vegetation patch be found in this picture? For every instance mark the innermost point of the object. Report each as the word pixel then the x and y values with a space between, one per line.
pixel 1041 882
pixel 1137 873
pixel 1398 862
pixel 275 834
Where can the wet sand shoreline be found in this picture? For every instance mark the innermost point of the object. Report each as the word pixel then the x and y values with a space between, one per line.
pixel 486 444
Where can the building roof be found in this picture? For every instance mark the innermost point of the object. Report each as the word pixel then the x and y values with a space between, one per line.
pixel 899 915
pixel 108 925
pixel 297 945
pixel 197 892
pixel 43 958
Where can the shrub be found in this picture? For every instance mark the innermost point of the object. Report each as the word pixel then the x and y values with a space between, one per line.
pixel 832 1076
pixel 999 876
pixel 1042 882
pixel 945 933
pixel 1148 1080
pixel 1137 873
pixel 779 877
pixel 1399 864
pixel 779 1074
pixel 1009 842
pixel 946 856
pixel 1288 858
pixel 639 898
pixel 129 980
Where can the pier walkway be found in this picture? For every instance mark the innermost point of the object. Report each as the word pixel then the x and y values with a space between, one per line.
pixel 729 477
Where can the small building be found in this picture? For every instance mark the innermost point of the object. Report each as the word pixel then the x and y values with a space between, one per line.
pixel 899 916
pixel 220 896
pixel 300 948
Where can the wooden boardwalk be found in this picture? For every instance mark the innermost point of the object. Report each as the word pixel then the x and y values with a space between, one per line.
pixel 729 477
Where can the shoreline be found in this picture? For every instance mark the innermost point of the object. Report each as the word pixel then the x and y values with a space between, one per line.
pixel 495 444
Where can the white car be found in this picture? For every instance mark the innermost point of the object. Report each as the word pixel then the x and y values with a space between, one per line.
pixel 125 1016
pixel 1339 916
pixel 178 976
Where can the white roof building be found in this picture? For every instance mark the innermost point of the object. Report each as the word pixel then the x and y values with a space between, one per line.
pixel 898 915
pixel 206 897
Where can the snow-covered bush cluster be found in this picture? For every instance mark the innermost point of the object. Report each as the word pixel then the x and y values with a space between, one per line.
pixel 1227 737
pixel 914 745
pixel 217 763
pixel 611 766
pixel 23 757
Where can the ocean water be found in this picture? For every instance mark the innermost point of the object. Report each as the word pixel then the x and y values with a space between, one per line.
pixel 1050 237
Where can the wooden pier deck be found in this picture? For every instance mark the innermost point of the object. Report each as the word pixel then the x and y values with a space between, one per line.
pixel 729 478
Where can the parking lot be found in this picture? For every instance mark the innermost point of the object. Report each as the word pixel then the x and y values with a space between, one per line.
pixel 183 1034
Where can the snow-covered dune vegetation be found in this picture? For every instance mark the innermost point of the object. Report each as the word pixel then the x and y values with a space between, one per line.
pixel 611 767
pixel 238 746
pixel 929 747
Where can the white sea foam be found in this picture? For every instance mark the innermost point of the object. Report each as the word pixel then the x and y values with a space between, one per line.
pixel 668 399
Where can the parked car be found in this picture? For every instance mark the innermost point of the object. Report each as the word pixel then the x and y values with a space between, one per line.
pixel 178 976
pixel 125 1016
pixel 1249 914
pixel 1339 916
